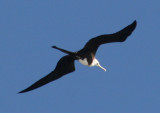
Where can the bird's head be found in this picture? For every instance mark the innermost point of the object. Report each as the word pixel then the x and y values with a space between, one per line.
pixel 96 63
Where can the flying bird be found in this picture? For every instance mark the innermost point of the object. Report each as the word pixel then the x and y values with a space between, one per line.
pixel 85 56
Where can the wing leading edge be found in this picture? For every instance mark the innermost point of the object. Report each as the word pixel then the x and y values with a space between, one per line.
pixel 64 66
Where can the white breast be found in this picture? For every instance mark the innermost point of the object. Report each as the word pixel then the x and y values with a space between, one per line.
pixel 84 61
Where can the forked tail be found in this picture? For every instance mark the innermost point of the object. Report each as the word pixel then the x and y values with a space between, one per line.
pixel 64 51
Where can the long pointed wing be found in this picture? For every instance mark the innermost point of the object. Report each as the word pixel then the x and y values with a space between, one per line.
pixel 120 36
pixel 64 66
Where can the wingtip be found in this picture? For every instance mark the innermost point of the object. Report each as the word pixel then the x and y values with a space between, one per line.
pixel 135 22
pixel 23 91
pixel 19 92
pixel 133 25
pixel 53 47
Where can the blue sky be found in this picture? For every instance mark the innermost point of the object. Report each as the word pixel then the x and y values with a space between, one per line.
pixel 28 29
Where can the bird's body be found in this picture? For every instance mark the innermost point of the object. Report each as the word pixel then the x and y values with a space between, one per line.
pixel 85 56
pixel 84 62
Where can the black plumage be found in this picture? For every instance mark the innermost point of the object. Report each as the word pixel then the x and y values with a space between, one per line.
pixel 66 64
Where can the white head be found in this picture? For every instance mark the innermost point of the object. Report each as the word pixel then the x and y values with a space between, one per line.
pixel 96 63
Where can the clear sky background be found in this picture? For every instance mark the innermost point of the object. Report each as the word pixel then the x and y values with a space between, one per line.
pixel 28 29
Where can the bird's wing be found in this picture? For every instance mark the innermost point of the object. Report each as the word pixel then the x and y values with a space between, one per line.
pixel 64 66
pixel 119 36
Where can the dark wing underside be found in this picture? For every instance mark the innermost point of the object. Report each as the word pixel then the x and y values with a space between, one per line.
pixel 64 66
pixel 119 36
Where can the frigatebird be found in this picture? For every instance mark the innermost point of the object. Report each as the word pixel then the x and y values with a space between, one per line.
pixel 85 56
